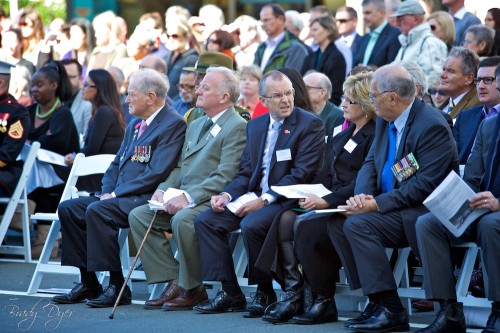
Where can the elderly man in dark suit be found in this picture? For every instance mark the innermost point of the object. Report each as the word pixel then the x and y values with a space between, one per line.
pixel 284 148
pixel 90 225
pixel 481 173
pixel 381 45
pixel 412 153
pixel 468 121
pixel 209 161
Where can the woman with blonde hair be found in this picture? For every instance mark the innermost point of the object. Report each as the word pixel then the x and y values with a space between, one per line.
pixel 249 89
pixel 443 27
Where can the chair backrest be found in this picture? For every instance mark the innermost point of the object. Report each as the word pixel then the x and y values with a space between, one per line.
pixel 84 166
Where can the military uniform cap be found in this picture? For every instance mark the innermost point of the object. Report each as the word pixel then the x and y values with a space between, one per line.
pixel 5 68
pixel 208 59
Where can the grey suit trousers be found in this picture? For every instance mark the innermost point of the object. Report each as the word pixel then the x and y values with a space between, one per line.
pixel 434 242
pixel 157 256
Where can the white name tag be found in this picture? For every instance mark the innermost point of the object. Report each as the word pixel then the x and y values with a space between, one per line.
pixel 350 145
pixel 215 130
pixel 337 130
pixel 283 155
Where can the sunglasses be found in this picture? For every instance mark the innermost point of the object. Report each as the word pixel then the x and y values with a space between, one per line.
pixel 433 91
pixel 342 21
pixel 212 40
pixel 174 36
pixel 433 27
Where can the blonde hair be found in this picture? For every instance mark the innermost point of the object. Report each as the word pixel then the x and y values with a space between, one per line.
pixel 445 20
pixel 252 70
pixel 358 86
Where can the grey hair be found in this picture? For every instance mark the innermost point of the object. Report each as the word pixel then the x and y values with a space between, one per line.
pixel 324 82
pixel 148 80
pixel 294 16
pixel 275 75
pixel 483 33
pixel 395 78
pixel 470 59
pixel 416 73
pixel 230 83
pixel 379 4
pixel 117 74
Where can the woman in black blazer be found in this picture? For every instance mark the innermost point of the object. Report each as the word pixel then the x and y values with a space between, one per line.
pixel 345 154
pixel 327 59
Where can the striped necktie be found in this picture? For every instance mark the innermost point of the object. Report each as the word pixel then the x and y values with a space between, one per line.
pixel 451 105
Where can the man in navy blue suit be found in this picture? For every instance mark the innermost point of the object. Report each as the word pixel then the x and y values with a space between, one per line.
pixel 468 121
pixel 149 152
pixel 381 45
pixel 285 148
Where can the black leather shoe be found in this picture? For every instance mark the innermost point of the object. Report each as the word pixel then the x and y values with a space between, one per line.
pixel 109 296
pixel 78 294
pixel 493 324
pixel 322 310
pixel 367 313
pixel 281 312
pixel 450 319
pixel 222 303
pixel 259 304
pixel 384 320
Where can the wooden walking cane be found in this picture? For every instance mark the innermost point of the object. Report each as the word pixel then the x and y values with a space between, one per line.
pixel 112 315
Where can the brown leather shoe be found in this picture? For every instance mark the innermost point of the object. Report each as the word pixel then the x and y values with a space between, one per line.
pixel 186 300
pixel 171 291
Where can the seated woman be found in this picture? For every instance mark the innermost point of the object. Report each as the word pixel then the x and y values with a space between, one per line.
pixel 313 248
pixel 106 126
pixel 52 126
pixel 249 89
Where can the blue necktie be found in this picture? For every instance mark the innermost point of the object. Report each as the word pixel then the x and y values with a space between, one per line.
pixel 266 160
pixel 389 162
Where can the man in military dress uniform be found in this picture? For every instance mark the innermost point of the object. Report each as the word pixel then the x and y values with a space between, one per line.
pixel 14 128
pixel 206 60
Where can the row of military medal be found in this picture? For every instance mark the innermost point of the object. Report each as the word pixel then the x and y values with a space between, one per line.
pixel 142 154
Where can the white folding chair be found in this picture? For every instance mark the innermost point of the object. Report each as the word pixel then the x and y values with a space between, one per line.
pixel 82 166
pixel 19 197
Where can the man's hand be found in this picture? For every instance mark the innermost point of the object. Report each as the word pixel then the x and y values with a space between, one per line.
pixel 106 196
pixel 313 202
pixel 359 204
pixel 157 196
pixel 485 200
pixel 219 202
pixel 249 207
pixel 175 204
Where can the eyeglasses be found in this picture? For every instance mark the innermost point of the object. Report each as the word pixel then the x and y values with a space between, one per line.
pixel 399 19
pixel 279 96
pixel 432 91
pixel 87 85
pixel 349 101
pixel 311 87
pixel 342 21
pixel 211 40
pixel 433 27
pixel 487 80
pixel 174 36
pixel 373 97
pixel 187 87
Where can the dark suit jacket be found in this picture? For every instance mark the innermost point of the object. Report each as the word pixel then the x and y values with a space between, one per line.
pixel 465 131
pixel 332 64
pixel 469 101
pixel 302 133
pixel 134 182
pixel 355 45
pixel 385 49
pixel 429 138
pixel 332 117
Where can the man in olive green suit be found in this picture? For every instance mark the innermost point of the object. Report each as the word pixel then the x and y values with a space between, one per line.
pixel 210 160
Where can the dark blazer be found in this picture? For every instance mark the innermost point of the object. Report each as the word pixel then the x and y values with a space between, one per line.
pixel 465 130
pixel 134 182
pixel 355 44
pixel 332 64
pixel 332 117
pixel 302 133
pixel 385 49
pixel 429 138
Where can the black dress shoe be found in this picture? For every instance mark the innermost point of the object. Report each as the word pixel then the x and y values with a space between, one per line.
pixel 281 312
pixel 450 319
pixel 322 310
pixel 383 320
pixel 493 324
pixel 78 294
pixel 367 313
pixel 259 304
pixel 222 302
pixel 109 296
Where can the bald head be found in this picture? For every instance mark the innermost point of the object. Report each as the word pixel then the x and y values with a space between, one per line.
pixel 154 62
pixel 319 88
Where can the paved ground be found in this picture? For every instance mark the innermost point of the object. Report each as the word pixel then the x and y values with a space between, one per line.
pixel 21 313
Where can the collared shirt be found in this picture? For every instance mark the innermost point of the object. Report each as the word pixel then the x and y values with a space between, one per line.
pixel 268 196
pixel 346 53
pixel 400 123
pixel 460 13
pixel 271 44
pixel 374 35
pixel 348 39
pixel 455 101
pixel 152 117
pixel 492 112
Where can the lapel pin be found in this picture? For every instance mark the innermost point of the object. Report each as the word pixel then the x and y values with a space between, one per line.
pixel 287 132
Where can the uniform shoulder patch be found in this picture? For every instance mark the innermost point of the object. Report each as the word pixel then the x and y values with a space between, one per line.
pixel 16 130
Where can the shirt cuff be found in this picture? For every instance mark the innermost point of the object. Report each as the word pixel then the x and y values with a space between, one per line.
pixel 229 196
pixel 190 198
pixel 113 194
pixel 270 198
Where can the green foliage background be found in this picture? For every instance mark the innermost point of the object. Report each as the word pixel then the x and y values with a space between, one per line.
pixel 48 13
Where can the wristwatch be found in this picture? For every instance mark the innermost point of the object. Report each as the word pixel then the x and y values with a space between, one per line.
pixel 265 202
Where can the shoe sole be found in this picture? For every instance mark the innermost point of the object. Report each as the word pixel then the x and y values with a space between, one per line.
pixel 405 328
pixel 328 320
pixel 126 301
pixel 152 307
pixel 234 309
